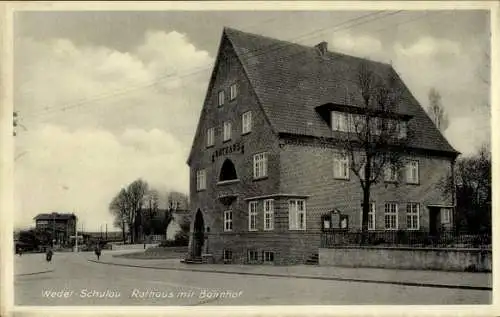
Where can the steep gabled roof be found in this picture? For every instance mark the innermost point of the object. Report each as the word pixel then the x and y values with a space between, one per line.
pixel 291 80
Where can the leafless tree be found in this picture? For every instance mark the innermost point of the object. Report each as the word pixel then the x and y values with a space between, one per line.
pixel 135 199
pixel 436 110
pixel 119 209
pixel 473 190
pixel 376 133
pixel 150 209
pixel 127 206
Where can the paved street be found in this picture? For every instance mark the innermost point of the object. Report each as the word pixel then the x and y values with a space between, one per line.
pixel 71 279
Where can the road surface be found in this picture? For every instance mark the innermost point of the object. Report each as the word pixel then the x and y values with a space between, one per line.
pixel 71 279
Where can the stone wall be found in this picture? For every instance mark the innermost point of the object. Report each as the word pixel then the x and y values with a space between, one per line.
pixel 446 259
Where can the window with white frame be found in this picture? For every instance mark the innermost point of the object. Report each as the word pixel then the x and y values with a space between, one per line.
pixel 227 130
pixel 375 126
pixel 412 216
pixel 356 123
pixel 390 172
pixel 227 256
pixel 253 256
pixel 371 217
pixel 297 214
pixel 412 172
pixel 269 214
pixel 260 165
pixel 362 171
pixel 220 98
pixel 201 181
pixel 340 121
pixel 445 215
pixel 233 93
pixel 228 220
pixel 403 129
pixel 341 165
pixel 246 122
pixel 252 216
pixel 268 256
pixel 391 216
pixel 210 137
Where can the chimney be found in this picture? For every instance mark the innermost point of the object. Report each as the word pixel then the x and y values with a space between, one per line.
pixel 322 48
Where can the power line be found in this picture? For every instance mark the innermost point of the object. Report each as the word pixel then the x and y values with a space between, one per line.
pixel 147 84
pixel 251 53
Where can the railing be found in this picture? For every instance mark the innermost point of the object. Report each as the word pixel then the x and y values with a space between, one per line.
pixel 408 238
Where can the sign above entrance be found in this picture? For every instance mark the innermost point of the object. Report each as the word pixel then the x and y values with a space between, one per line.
pixel 233 148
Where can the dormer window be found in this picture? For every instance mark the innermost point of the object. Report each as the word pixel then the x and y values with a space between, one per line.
pixel 340 121
pixel 351 122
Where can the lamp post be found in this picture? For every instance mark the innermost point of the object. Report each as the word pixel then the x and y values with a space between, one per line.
pixel 76 235
pixel 53 229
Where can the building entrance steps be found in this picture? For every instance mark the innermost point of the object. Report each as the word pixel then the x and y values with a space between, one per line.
pixel 440 279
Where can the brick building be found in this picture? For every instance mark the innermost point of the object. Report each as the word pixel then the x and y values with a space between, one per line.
pixel 265 174
pixel 62 226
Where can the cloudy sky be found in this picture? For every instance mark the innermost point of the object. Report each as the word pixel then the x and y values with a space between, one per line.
pixel 108 97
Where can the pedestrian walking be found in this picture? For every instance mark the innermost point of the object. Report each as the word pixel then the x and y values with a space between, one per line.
pixel 48 255
pixel 97 251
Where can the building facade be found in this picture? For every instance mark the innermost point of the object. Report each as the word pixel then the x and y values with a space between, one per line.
pixel 62 226
pixel 266 173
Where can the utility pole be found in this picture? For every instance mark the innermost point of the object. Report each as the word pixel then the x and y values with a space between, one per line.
pixel 15 122
pixel 106 232
pixel 53 229
pixel 76 235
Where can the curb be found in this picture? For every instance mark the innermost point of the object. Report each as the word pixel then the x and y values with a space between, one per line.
pixel 34 273
pixel 430 285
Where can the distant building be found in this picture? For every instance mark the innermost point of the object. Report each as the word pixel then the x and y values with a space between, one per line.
pixel 175 225
pixel 152 221
pixel 62 226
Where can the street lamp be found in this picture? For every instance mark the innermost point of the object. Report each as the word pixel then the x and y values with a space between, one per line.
pixel 53 229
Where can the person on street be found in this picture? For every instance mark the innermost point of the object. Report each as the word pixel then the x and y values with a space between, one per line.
pixel 97 251
pixel 48 255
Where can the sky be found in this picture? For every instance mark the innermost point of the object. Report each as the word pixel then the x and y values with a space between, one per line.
pixel 107 97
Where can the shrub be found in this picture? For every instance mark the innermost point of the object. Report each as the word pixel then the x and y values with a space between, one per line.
pixel 180 241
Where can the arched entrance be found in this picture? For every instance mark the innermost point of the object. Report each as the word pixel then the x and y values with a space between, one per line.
pixel 198 234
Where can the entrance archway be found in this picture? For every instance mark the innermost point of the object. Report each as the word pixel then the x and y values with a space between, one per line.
pixel 198 234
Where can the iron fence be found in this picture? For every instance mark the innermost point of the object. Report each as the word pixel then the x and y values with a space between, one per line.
pixel 409 238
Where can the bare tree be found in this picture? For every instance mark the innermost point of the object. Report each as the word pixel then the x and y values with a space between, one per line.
pixel 135 199
pixel 150 208
pixel 120 210
pixel 436 110
pixel 376 134
pixel 471 183
pixel 127 205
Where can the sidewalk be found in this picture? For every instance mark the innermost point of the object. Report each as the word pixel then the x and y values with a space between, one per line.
pixel 440 279
pixel 31 264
